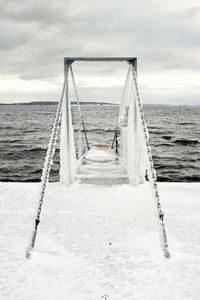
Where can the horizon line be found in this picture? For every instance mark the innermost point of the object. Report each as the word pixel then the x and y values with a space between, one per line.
pixel 88 102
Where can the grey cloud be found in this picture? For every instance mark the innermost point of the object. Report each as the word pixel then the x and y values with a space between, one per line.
pixel 32 11
pixel 38 34
pixel 12 36
pixel 189 13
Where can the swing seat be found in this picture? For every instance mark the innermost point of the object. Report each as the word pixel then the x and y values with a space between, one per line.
pixel 101 167
pixel 99 146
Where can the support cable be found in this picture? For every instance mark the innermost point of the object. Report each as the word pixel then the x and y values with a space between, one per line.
pixel 152 171
pixel 79 108
pixel 115 140
pixel 47 165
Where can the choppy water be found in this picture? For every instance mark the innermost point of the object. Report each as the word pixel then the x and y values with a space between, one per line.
pixel 25 132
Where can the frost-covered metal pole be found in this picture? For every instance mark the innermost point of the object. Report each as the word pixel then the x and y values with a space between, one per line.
pixel 152 171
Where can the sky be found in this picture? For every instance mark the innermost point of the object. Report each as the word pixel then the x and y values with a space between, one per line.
pixel 35 36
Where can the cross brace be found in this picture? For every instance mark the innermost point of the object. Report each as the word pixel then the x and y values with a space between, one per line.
pixel 130 60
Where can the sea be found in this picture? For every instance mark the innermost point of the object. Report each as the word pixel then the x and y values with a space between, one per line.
pixel 25 131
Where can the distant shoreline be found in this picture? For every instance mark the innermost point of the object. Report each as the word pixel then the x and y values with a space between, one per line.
pixel 56 102
pixel 87 103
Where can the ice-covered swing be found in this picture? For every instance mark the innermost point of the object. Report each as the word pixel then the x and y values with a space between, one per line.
pixel 101 164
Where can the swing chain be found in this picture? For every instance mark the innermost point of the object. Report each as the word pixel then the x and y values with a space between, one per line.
pixel 152 169
pixel 47 166
pixel 49 157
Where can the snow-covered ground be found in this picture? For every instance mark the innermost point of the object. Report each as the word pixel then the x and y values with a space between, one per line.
pixel 99 243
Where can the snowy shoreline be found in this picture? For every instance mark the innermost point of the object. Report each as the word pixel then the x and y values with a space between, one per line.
pixel 99 242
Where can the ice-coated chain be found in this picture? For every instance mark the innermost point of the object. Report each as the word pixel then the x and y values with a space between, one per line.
pixel 152 171
pixel 47 165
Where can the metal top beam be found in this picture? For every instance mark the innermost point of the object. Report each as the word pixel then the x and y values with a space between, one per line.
pixel 127 59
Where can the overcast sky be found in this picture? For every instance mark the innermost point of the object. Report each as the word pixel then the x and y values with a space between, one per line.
pixel 163 35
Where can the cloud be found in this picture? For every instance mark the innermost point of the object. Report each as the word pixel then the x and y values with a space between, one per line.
pixel 37 35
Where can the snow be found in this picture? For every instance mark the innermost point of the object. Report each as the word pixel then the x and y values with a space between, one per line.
pixel 67 149
pixel 101 166
pixel 98 242
pixel 133 149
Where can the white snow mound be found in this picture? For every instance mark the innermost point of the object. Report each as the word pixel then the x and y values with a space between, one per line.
pixel 99 243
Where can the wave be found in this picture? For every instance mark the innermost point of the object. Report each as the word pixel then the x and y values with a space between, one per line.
pixel 6 127
pixel 26 154
pixel 161 132
pixel 186 123
pixel 189 159
pixel 192 178
pixel 15 147
pixel 165 178
pixel 10 141
pixel 177 178
pixel 193 152
pixel 166 137
pixel 37 149
pixel 164 144
pixel 169 167
pixel 29 131
pixel 97 130
pixel 14 141
pixel 186 142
